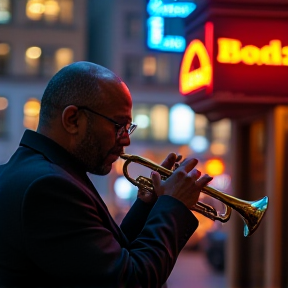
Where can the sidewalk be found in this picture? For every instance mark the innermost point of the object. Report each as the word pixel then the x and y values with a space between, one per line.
pixel 193 271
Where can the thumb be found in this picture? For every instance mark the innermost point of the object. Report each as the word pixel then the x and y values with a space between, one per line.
pixel 156 178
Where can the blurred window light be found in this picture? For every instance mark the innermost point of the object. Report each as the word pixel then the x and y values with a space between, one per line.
pixel 149 66
pixel 3 116
pixel 4 49
pixel 157 68
pixel 66 14
pixel 221 182
pixel 5 11
pixel 199 144
pixel 3 103
pixel 33 52
pixel 214 167
pixel 181 124
pixel 218 148
pixel 46 61
pixel 152 121
pixel 221 130
pixel 201 124
pixel 50 10
pixel 35 9
pixel 142 121
pixel 31 113
pixel 63 57
pixel 32 59
pixel 4 58
pixel 159 122
pixel 141 117
pixel 123 188
pixel 32 107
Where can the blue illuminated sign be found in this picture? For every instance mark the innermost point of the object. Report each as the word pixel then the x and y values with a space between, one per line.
pixel 158 11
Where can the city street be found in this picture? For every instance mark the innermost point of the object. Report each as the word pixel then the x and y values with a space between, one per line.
pixel 193 271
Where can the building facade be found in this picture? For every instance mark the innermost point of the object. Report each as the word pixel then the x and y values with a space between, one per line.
pixel 37 39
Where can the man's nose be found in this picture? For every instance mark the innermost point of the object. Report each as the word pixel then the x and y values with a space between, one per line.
pixel 124 140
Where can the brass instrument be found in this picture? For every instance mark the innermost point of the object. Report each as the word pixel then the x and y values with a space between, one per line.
pixel 251 212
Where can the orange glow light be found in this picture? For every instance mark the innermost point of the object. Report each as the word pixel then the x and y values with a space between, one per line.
pixel 231 51
pixel 214 167
pixel 198 78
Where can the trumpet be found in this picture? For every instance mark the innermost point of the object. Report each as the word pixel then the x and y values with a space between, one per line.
pixel 252 212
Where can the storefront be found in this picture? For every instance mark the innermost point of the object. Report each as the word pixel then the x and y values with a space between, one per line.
pixel 236 66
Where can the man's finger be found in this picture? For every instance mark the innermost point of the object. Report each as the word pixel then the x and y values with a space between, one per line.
pixel 179 157
pixel 204 180
pixel 156 178
pixel 168 163
pixel 189 163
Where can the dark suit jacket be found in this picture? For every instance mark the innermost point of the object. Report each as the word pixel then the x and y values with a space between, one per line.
pixel 56 231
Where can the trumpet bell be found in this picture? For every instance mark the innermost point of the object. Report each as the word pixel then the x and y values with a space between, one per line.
pixel 253 214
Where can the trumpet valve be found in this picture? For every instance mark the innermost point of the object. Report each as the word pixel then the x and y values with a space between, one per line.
pixel 144 183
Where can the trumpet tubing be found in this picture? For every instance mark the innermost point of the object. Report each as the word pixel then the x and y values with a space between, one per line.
pixel 252 212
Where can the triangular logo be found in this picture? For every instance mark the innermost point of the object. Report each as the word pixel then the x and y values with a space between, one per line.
pixel 191 80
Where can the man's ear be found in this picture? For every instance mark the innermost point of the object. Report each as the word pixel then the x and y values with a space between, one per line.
pixel 70 119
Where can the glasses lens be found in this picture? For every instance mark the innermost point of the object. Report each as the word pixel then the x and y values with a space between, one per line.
pixel 130 128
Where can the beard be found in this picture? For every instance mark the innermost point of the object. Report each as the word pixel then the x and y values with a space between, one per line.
pixel 89 153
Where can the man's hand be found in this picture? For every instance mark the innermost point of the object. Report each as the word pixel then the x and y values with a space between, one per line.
pixel 170 162
pixel 185 184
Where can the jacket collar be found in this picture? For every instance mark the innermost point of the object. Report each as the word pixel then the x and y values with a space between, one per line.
pixel 53 152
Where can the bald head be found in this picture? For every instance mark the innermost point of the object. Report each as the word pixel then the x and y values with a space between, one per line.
pixel 80 84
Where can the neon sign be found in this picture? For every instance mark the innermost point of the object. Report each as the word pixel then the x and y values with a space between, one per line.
pixel 197 78
pixel 231 51
pixel 200 77
pixel 158 11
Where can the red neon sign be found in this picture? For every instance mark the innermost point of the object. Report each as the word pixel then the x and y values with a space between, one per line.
pixel 231 51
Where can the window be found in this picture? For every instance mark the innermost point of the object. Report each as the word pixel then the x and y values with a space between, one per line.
pixel 4 58
pixel 132 68
pixel 141 116
pixel 221 131
pixel 3 115
pixel 5 11
pixel 63 57
pixel 149 66
pixel 152 122
pixel 133 26
pixel 47 61
pixel 159 122
pixel 157 69
pixel 50 11
pixel 31 113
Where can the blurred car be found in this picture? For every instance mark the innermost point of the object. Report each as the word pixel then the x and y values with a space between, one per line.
pixel 214 244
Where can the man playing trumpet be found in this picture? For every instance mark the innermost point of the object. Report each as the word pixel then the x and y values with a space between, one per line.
pixel 55 230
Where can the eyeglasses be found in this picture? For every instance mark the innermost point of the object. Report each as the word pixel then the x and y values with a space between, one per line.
pixel 120 129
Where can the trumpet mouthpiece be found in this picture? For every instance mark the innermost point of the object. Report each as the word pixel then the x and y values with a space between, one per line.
pixel 125 156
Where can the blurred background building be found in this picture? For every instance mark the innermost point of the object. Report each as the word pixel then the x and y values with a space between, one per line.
pixel 38 37
pixel 143 41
